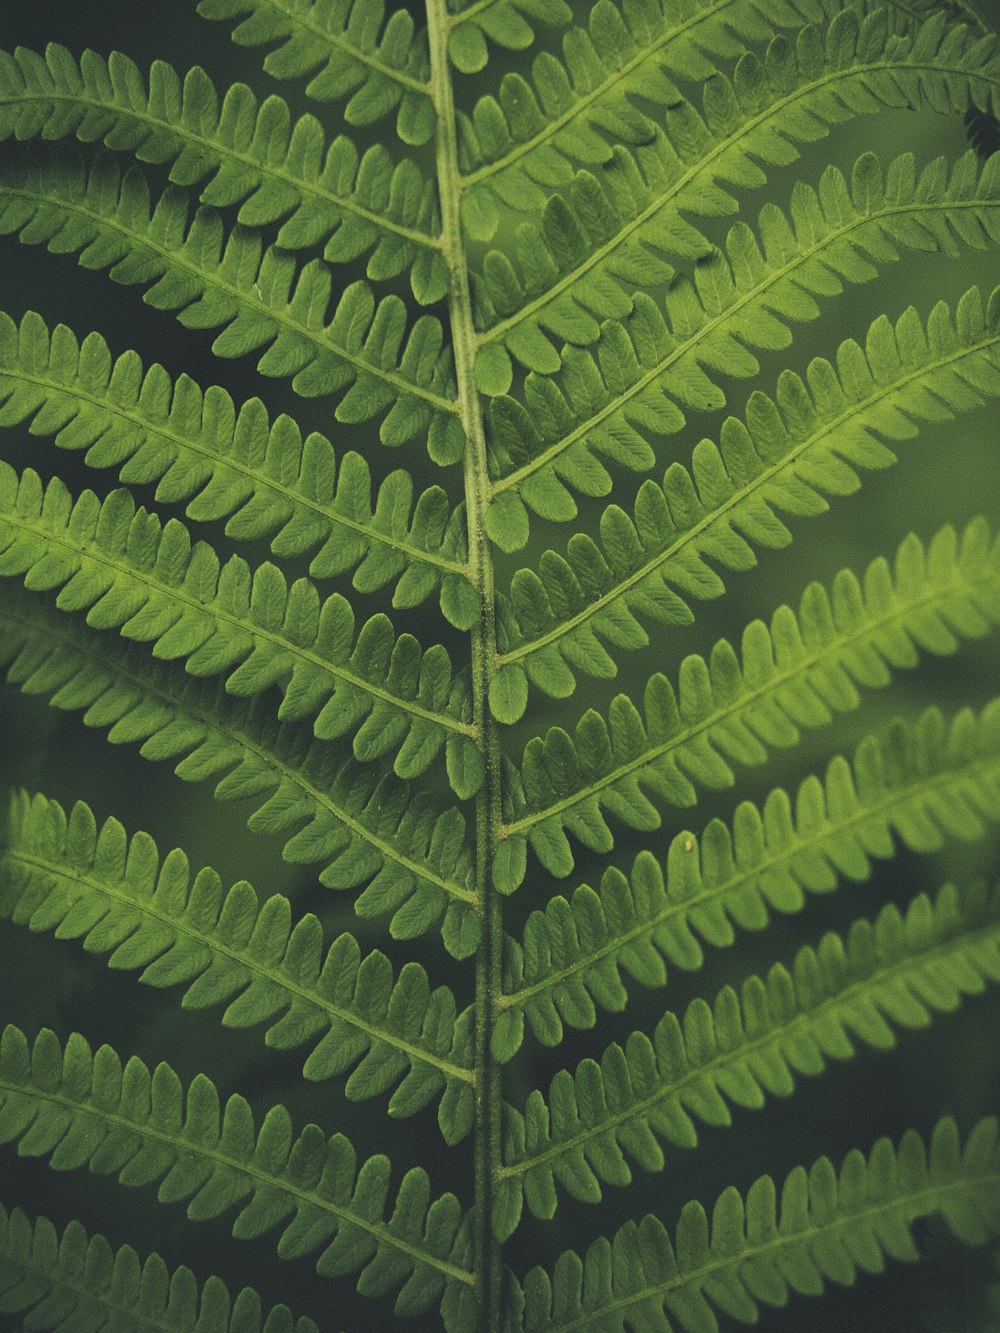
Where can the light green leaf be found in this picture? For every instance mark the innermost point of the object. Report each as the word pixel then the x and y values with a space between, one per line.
pixel 831 1225
pixel 798 672
pixel 41 1276
pixel 351 51
pixel 212 1153
pixel 897 971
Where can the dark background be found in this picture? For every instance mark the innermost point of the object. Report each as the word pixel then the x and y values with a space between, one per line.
pixel 949 474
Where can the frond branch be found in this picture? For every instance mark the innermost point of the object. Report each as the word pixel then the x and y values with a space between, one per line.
pixel 80 1107
pixel 78 1276
pixel 226 947
pixel 163 139
pixel 265 478
pixel 294 16
pixel 831 1224
pixel 918 783
pixel 899 970
pixel 792 453
pixel 147 580
pixel 797 673
pixel 261 298
pixel 980 205
pixel 417 872
pixel 909 77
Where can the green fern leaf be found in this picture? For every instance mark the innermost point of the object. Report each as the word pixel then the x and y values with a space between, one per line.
pixel 256 156
pixel 600 240
pixel 538 279
pixel 917 784
pixel 746 1045
pixel 353 53
pixel 625 58
pixel 264 478
pixel 132 573
pixel 797 673
pixel 117 896
pixel 648 370
pixel 75 1280
pixel 259 297
pixel 787 458
pixel 508 23
pixel 82 1108
pixel 364 828
pixel 831 1225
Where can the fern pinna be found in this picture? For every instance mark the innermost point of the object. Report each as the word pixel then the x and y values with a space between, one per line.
pixel 566 296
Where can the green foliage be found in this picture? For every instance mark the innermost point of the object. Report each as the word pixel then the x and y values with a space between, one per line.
pixel 743 1046
pixel 130 572
pixel 594 240
pixel 830 1225
pixel 88 1108
pixel 79 1277
pixel 582 233
pixel 265 478
pixel 362 824
pixel 257 156
pixel 117 896
pixel 350 51
pixel 647 370
pixel 797 672
pixel 217 278
pixel 787 456
pixel 918 783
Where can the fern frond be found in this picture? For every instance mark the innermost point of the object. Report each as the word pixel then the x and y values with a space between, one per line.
pixel 797 673
pixel 264 478
pixel 600 240
pixel 118 896
pixel 650 368
pixel 365 829
pixel 831 1225
pixel 508 23
pixel 75 1280
pixel 352 51
pixel 260 298
pixel 133 573
pixel 915 784
pixel 623 59
pixel 964 10
pixel 274 168
pixel 787 458
pixel 897 971
pixel 84 1109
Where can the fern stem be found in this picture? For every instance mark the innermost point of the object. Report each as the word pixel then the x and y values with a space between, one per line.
pixel 484 664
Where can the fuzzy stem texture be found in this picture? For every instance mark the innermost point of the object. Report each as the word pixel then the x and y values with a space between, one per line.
pixel 484 665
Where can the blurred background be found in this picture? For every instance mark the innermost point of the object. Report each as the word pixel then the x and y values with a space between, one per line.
pixel 949 474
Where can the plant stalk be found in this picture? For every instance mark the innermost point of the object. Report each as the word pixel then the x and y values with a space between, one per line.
pixel 484 654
